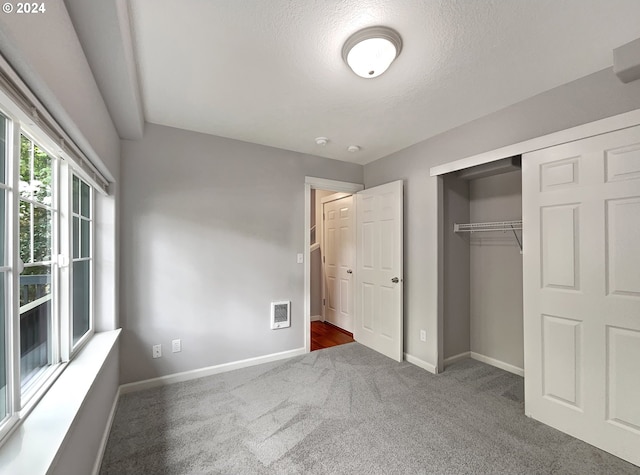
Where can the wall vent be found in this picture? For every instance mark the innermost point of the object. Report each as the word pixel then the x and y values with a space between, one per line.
pixel 280 314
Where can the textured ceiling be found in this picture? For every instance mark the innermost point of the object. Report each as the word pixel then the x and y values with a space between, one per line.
pixel 271 72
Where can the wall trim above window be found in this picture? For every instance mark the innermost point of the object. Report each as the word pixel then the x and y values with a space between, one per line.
pixel 33 112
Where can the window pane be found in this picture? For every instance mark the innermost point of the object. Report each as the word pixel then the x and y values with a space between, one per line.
pixel 3 153
pixel 25 232
pixel 76 195
pixel 76 237
pixel 81 299
pixel 41 234
pixel 3 349
pixel 85 200
pixel 26 149
pixel 35 322
pixel 42 171
pixel 35 172
pixel 85 238
pixel 35 283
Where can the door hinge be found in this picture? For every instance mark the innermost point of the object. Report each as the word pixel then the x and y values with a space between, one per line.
pixel 322 216
pixel 324 302
pixel 323 259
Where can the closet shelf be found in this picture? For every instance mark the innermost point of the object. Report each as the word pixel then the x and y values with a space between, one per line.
pixel 496 226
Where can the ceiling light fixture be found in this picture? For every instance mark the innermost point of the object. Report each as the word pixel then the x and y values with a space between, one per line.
pixel 370 52
pixel 322 141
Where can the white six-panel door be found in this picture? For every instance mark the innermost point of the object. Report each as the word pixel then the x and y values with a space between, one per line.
pixel 581 220
pixel 378 322
pixel 339 259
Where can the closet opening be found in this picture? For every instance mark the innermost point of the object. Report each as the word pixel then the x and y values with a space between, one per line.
pixel 482 265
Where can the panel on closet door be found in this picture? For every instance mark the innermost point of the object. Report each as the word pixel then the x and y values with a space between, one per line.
pixel 623 246
pixel 368 305
pixel 367 250
pixel 559 174
pixel 331 297
pixel 623 163
pixel 344 296
pixel 559 260
pixel 623 392
pixel 561 348
pixel 387 303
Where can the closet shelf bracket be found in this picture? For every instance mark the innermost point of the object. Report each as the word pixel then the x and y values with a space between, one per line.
pixel 503 226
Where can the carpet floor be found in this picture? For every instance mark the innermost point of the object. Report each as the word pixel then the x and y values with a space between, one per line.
pixel 342 410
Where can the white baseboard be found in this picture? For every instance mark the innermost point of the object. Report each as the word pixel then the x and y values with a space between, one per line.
pixel 420 363
pixel 105 435
pixel 456 358
pixel 316 318
pixel 497 363
pixel 208 371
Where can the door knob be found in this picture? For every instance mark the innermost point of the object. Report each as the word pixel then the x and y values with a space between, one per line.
pixel 395 280
pixel 349 271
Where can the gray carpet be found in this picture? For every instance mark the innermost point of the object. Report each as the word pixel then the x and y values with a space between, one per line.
pixel 344 410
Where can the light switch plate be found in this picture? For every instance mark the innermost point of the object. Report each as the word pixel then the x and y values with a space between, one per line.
pixel 176 346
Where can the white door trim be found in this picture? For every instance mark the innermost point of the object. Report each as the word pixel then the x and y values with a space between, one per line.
pixel 318 184
pixel 602 126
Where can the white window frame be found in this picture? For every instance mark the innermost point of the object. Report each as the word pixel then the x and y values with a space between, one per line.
pixel 89 333
pixel 19 403
pixel 34 387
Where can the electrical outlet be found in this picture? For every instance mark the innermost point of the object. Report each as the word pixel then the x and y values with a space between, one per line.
pixel 176 346
pixel 423 335
pixel 157 351
pixel 300 258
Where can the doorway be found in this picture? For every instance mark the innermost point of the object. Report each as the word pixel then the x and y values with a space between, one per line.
pixel 332 259
pixel 377 274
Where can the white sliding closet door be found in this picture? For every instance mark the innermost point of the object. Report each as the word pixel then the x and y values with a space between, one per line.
pixel 581 218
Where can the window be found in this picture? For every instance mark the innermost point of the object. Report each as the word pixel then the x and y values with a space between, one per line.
pixel 46 262
pixel 4 308
pixel 82 198
pixel 37 215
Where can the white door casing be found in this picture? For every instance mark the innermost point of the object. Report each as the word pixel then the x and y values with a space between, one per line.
pixel 379 286
pixel 581 238
pixel 339 258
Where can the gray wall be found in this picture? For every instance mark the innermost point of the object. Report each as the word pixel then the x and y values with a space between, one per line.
pixel 593 97
pixel 316 282
pixel 496 271
pixel 210 231
pixel 456 268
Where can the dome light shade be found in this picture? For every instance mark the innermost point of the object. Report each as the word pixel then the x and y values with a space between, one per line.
pixel 370 52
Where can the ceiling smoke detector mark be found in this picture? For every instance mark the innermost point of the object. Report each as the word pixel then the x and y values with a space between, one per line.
pixel 322 141
pixel 280 314
pixel 353 148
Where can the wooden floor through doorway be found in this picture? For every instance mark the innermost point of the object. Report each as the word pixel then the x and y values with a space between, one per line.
pixel 325 335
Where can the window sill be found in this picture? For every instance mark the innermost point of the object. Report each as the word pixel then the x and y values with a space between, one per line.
pixel 33 446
